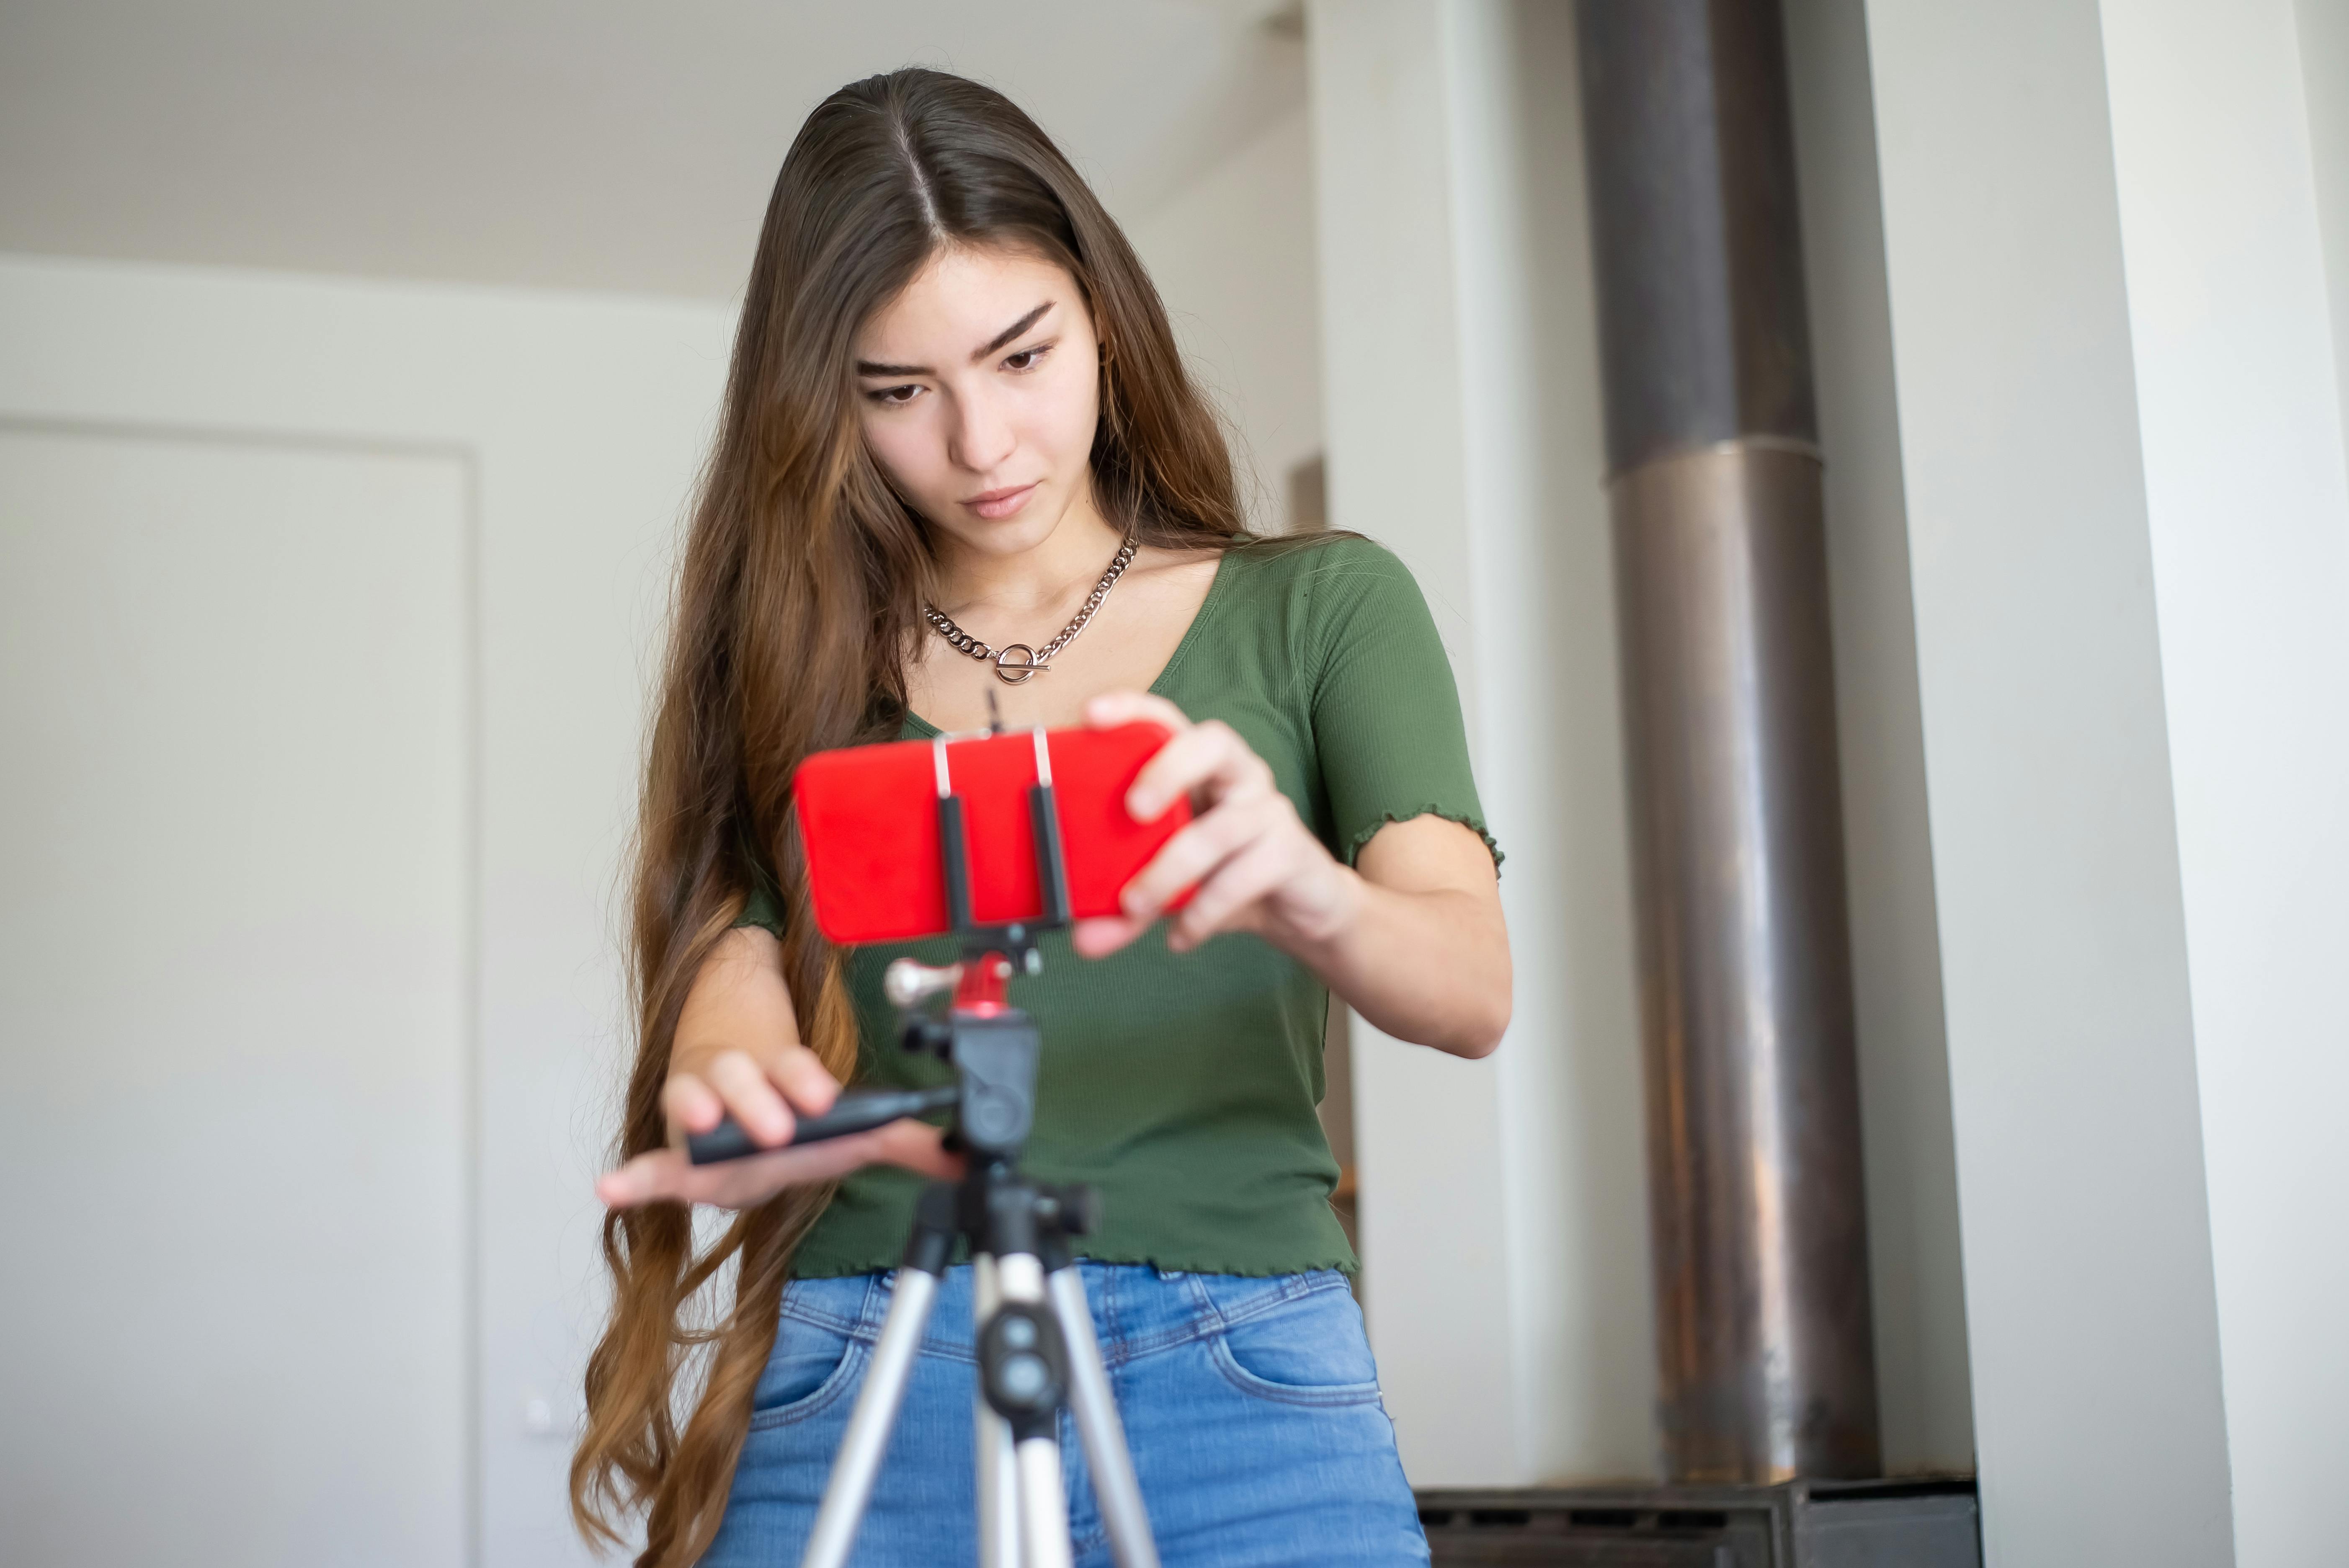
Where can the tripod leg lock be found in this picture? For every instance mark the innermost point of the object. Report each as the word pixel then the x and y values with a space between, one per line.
pixel 930 1245
pixel 1023 1367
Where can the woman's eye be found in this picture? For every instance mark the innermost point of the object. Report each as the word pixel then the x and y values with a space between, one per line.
pixel 894 396
pixel 1026 359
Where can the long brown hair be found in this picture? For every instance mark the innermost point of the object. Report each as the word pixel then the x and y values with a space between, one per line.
pixel 796 603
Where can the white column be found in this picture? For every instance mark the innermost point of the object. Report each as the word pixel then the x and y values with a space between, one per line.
pixel 1504 1204
pixel 2247 510
pixel 1437 1273
pixel 2091 1318
pixel 2129 523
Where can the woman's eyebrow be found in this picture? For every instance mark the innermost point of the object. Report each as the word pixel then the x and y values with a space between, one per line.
pixel 868 368
pixel 1014 330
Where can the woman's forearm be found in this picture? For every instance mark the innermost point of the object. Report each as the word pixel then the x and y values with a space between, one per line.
pixel 1429 967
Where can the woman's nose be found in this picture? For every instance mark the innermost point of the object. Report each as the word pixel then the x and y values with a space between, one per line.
pixel 982 437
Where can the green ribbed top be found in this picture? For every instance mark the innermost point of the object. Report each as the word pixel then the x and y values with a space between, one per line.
pixel 1185 1085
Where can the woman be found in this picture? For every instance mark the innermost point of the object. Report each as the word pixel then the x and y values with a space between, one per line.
pixel 956 419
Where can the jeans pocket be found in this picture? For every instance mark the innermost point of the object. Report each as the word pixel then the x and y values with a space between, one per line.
pixel 816 1354
pixel 1296 1345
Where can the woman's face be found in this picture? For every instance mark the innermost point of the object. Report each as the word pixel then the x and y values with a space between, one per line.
pixel 978 388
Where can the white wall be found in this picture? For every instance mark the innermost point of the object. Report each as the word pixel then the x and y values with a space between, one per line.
pixel 1233 256
pixel 1504 1202
pixel 2247 503
pixel 583 419
pixel 235 1020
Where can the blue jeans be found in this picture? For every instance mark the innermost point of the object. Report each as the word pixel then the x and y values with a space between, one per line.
pixel 1251 1405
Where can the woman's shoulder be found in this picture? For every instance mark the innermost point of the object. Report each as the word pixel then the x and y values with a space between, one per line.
pixel 1324 571
pixel 1318 599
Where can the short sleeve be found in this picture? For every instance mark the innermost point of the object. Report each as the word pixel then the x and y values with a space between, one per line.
pixel 1386 712
pixel 761 909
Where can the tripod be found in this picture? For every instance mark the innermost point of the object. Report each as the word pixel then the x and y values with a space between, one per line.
pixel 1036 1349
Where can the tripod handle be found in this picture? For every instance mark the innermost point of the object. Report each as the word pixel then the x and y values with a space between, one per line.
pixel 856 1111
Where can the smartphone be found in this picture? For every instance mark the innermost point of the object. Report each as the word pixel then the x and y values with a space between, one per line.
pixel 868 818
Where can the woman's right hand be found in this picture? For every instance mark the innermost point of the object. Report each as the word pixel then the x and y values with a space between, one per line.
pixel 740 996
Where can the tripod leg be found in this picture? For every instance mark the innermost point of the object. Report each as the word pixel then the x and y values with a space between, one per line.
pixel 1041 1490
pixel 1095 1408
pixel 999 1493
pixel 1043 1504
pixel 858 1463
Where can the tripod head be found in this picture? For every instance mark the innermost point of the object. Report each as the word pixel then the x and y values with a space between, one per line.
pixel 992 1047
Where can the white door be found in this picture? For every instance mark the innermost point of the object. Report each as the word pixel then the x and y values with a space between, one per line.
pixel 234 1002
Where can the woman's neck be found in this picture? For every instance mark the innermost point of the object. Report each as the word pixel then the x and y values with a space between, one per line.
pixel 1024 582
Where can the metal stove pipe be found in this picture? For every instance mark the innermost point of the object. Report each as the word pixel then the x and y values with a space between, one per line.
pixel 1758 1219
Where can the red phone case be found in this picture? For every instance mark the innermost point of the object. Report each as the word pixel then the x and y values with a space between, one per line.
pixel 868 820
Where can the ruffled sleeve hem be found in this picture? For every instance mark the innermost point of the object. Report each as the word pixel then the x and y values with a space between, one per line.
pixel 1353 848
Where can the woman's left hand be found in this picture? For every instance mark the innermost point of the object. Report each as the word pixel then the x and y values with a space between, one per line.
pixel 1257 867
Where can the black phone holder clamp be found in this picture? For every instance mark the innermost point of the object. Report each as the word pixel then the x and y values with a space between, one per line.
pixel 1016 941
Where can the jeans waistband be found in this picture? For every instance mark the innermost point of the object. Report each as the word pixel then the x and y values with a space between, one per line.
pixel 1137 1309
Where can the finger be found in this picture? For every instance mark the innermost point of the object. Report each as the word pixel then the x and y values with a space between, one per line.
pixel 1191 854
pixel 806 1082
pixel 1103 935
pixel 1184 763
pixel 1210 757
pixel 1237 885
pixel 753 1099
pixel 641 1181
pixel 668 1175
pixel 690 1104
pixel 1114 708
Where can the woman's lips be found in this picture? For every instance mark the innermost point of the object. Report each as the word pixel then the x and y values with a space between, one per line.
pixel 997 504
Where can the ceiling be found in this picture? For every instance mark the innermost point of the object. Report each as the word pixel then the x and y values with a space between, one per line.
pixel 602 144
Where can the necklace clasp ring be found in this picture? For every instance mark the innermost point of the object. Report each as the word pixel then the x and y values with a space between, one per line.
pixel 1018 674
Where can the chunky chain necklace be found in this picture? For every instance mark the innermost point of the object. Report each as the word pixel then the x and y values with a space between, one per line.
pixel 1034 660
